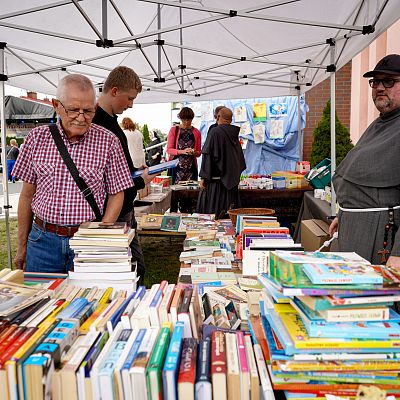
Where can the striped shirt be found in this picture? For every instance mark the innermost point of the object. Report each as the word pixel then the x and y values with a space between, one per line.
pixel 99 159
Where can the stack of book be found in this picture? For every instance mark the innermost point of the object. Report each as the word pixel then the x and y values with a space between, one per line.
pixel 256 237
pixel 102 255
pixel 329 323
pixel 15 276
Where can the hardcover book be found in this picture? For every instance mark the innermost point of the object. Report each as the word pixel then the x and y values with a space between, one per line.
pixel 218 365
pixel 203 388
pixel 187 369
pixel 321 274
pixel 103 228
pixel 170 223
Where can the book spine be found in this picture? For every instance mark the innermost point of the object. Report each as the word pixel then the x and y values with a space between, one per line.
pixel 73 308
pixel 204 361
pixel 218 354
pixel 187 369
pixel 368 314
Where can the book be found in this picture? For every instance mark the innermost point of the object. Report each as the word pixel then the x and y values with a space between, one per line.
pixel 172 361
pixel 341 274
pixel 103 228
pixel 187 369
pixel 138 369
pixel 233 370
pixel 266 384
pixel 254 379
pixel 164 309
pixel 151 222
pixel 155 304
pixel 183 312
pixel 170 223
pixel 156 363
pixel 243 367
pixel 218 365
pixel 155 169
pixel 203 387
pixel 15 297
pixel 90 242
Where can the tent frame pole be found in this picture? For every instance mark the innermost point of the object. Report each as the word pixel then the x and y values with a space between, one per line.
pixel 4 155
pixel 332 44
pixel 299 130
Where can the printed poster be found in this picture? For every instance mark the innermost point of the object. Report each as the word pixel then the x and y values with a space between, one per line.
pixel 278 110
pixel 245 129
pixel 240 113
pixel 260 111
pixel 207 112
pixel 243 143
pixel 259 133
pixel 276 130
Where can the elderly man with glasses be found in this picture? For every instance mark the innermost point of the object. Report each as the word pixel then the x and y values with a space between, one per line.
pixel 51 205
pixel 367 181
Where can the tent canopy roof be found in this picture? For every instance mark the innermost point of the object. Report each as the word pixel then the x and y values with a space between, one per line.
pixel 195 49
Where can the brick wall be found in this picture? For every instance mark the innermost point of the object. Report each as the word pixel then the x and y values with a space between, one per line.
pixel 316 99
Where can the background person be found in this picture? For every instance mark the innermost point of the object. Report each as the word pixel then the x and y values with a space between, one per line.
pixel 184 142
pixel 135 142
pixel 119 91
pixel 154 155
pixel 367 181
pixel 221 167
pixel 50 197
pixel 12 156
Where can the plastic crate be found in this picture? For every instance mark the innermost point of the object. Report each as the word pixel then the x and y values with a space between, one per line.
pixel 323 178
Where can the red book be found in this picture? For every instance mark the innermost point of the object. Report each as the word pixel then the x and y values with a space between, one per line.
pixel 187 369
pixel 9 340
pixel 6 355
pixel 218 365
pixel 258 330
pixel 7 331
pixel 56 284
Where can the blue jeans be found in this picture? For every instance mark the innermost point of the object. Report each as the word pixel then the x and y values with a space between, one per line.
pixel 10 166
pixel 48 252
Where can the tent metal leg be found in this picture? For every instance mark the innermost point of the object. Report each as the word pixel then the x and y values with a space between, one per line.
pixel 4 156
pixel 333 123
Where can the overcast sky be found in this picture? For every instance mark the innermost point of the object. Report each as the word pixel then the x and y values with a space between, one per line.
pixel 156 116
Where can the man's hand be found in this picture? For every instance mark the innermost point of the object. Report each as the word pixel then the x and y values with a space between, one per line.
pixel 393 261
pixel 147 177
pixel 20 257
pixel 202 184
pixel 333 227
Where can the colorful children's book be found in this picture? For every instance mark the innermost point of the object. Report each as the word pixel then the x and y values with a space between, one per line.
pixel 171 223
pixel 322 274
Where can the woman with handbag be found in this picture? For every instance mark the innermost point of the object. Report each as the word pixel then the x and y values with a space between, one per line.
pixel 184 142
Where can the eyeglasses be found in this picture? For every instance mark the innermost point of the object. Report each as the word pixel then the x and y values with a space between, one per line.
pixel 386 82
pixel 76 112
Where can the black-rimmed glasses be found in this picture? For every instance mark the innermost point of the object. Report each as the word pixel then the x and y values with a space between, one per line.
pixel 386 82
pixel 76 112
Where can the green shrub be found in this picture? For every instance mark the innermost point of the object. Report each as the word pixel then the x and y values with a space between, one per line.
pixel 321 147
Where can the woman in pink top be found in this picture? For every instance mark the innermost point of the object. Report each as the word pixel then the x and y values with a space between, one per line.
pixel 184 142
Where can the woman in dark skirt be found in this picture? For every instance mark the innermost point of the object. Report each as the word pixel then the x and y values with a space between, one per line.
pixel 184 143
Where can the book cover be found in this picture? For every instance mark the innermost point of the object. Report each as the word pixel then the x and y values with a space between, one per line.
pixel 243 367
pixel 172 361
pixel 336 300
pixel 183 312
pixel 218 365
pixel 155 169
pixel 105 228
pixel 233 369
pixel 254 379
pixel 187 369
pixel 341 274
pixel 156 363
pixel 203 387
pixel 170 223
pixel 151 222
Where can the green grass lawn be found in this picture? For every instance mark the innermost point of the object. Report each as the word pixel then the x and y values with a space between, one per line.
pixel 161 254
pixel 3 240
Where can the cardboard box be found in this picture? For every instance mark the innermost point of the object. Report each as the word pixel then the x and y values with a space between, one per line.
pixel 314 232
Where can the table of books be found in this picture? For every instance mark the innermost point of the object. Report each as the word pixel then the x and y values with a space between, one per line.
pixel 285 202
pixel 309 324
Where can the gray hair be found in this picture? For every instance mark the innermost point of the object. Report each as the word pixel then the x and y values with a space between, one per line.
pixel 79 81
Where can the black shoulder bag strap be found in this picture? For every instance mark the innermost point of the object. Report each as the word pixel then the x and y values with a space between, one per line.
pixel 83 187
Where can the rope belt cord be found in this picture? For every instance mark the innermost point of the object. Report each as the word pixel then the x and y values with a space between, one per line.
pixel 368 209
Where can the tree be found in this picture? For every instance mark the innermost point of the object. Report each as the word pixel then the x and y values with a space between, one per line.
pixel 321 147
pixel 146 135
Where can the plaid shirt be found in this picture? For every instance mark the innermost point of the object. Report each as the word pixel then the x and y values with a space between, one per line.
pixel 100 161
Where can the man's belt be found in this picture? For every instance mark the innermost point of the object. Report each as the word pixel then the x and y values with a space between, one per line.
pixel 60 230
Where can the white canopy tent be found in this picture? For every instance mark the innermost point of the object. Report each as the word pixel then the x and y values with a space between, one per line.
pixel 187 49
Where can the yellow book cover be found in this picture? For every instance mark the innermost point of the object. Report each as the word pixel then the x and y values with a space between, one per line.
pixel 338 365
pixel 298 333
pixel 86 325
pixel 106 296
